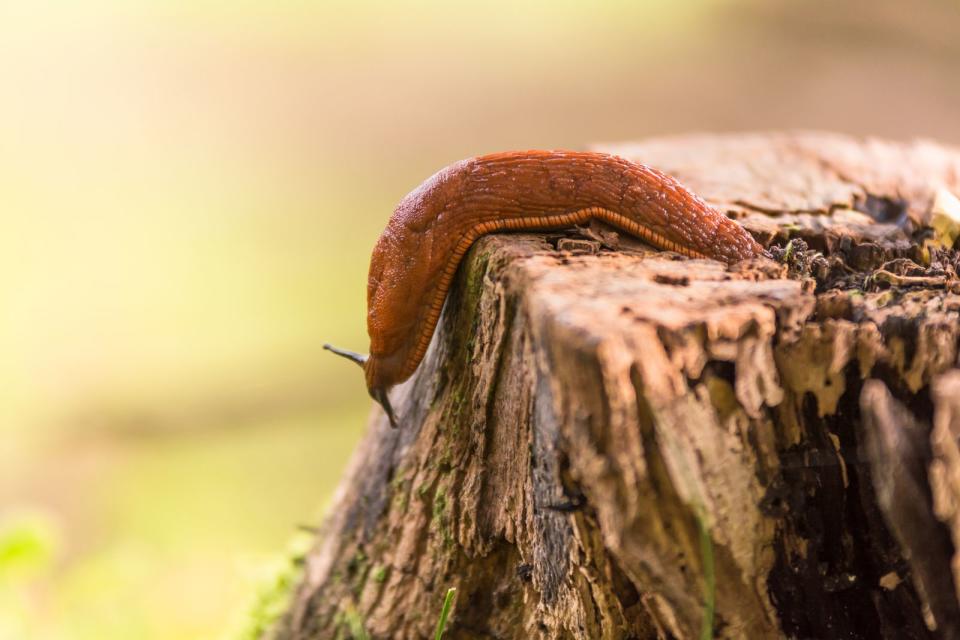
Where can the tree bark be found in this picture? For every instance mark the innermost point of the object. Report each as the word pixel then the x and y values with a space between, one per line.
pixel 607 441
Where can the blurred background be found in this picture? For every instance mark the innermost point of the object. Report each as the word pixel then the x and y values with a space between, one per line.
pixel 189 193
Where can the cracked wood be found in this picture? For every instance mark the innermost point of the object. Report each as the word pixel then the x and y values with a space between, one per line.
pixel 766 450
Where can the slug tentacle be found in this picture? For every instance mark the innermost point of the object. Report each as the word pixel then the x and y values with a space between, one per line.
pixel 352 356
pixel 416 257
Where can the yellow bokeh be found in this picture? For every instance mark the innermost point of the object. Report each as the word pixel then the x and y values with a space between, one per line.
pixel 189 192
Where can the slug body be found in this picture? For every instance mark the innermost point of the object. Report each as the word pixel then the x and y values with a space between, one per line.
pixel 417 255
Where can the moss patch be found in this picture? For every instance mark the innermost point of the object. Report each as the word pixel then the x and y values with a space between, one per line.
pixel 275 590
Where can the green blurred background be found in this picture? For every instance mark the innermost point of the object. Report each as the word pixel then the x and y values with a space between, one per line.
pixel 189 192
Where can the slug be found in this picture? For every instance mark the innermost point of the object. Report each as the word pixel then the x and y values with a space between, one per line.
pixel 417 255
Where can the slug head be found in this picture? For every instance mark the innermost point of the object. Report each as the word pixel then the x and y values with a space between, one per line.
pixel 376 391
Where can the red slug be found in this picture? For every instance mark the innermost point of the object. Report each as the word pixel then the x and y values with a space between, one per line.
pixel 432 228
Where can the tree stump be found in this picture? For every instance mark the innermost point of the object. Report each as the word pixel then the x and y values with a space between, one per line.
pixel 608 441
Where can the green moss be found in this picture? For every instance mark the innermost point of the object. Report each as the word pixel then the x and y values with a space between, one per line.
pixel 443 462
pixel 350 625
pixel 358 568
pixel 275 590
pixel 473 288
pixel 380 574
pixel 439 505
pixel 884 298
pixel 479 265
pixel 788 252
pixel 466 295
pixel 398 479
pixel 441 517
pixel 399 485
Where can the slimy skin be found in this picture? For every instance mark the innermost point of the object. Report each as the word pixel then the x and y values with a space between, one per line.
pixel 417 255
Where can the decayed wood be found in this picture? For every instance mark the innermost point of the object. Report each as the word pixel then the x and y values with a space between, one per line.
pixel 610 442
